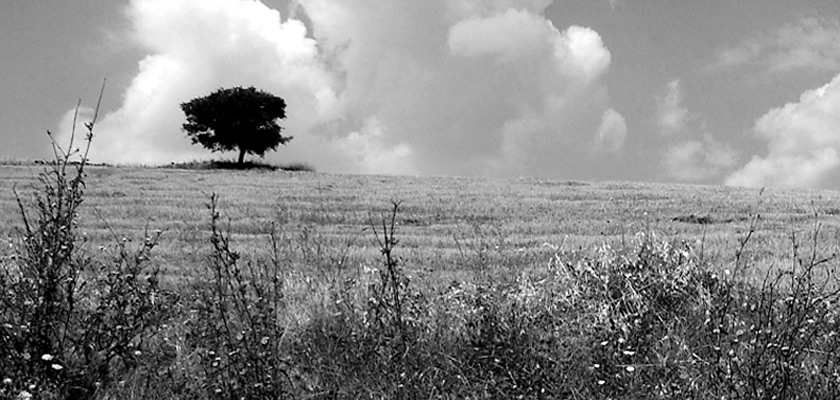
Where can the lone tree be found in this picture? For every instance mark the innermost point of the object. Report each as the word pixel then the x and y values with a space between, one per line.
pixel 236 118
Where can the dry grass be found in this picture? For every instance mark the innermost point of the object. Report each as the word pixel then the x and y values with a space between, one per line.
pixel 520 215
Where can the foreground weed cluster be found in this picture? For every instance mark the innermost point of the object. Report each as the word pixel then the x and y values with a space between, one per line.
pixel 70 324
pixel 238 328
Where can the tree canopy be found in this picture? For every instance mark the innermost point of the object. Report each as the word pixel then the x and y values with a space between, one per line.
pixel 243 119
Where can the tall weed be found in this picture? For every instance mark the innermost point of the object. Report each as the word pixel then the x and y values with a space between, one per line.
pixel 238 327
pixel 70 324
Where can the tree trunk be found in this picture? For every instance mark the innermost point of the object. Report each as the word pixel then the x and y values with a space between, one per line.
pixel 241 156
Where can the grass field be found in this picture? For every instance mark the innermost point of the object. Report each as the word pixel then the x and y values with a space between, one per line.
pixel 519 216
pixel 516 288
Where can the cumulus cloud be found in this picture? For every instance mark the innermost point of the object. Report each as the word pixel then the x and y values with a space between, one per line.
pixel 803 142
pixel 698 160
pixel 809 44
pixel 197 47
pixel 366 149
pixel 511 35
pixel 671 116
pixel 612 132
pixel 475 87
pixel 692 154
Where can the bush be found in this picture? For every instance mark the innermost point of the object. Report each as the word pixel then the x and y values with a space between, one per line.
pixel 70 324
pixel 238 327
pixel 779 340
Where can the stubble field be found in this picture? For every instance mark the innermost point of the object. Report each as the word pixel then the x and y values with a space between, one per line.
pixel 525 220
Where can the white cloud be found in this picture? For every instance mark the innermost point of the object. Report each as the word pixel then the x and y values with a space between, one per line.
pixel 803 141
pixel 457 9
pixel 809 44
pixel 368 151
pixel 521 36
pixel 693 153
pixel 671 116
pixel 197 47
pixel 582 53
pixel 612 132
pixel 477 87
pixel 472 87
pixel 511 35
pixel 698 160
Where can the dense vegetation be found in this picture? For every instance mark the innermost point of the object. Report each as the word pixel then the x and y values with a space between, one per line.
pixel 310 286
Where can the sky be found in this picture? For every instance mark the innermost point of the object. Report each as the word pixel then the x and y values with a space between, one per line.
pixel 721 92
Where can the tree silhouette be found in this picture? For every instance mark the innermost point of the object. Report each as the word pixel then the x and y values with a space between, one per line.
pixel 243 119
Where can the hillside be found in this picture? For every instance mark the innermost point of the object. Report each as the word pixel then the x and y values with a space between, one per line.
pixel 520 216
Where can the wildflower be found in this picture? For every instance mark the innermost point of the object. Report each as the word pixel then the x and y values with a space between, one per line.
pixel 7 381
pixel 57 367
pixel 47 357
pixel 601 382
pixel 630 368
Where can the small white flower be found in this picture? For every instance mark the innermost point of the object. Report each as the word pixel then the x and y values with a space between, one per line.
pixel 7 381
pixel 137 353
pixel 601 382
pixel 630 368
pixel 47 357
pixel 57 367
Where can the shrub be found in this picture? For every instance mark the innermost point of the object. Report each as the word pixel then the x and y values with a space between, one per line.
pixel 70 324
pixel 781 339
pixel 238 329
